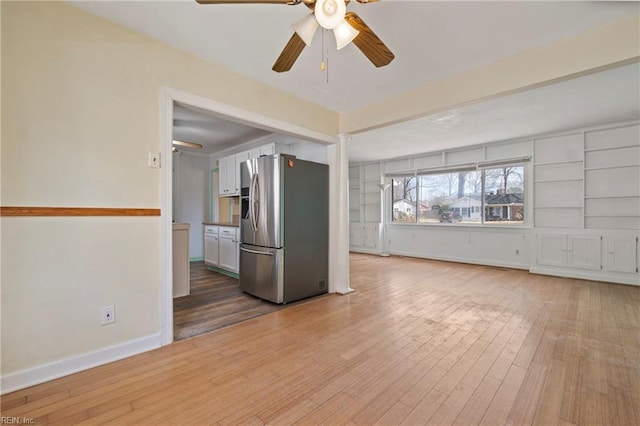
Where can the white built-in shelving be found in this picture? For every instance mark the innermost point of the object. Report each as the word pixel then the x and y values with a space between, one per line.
pixel 559 181
pixel 612 178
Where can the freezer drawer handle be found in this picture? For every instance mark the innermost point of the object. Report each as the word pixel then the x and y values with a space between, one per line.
pixel 256 252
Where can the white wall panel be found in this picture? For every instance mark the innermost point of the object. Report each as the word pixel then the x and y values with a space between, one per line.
pixel 613 158
pixel 465 156
pixel 428 161
pixel 371 172
pixel 612 207
pixel 558 194
pixel 397 165
pixel 372 213
pixel 509 150
pixel 559 149
pixel 558 218
pixel 609 138
pixel 631 223
pixel 559 172
pixel 509 247
pixel 372 187
pixel 613 182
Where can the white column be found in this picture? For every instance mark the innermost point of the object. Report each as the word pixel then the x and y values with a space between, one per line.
pixel 339 216
pixel 384 188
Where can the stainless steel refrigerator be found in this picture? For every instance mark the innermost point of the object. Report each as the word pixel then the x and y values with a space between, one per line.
pixel 284 229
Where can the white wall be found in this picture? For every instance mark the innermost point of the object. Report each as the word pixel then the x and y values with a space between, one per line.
pixel 309 151
pixel 590 51
pixel 582 201
pixel 80 112
pixel 468 244
pixel 192 197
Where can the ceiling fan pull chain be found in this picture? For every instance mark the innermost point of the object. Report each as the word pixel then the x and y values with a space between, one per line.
pixel 327 68
pixel 322 66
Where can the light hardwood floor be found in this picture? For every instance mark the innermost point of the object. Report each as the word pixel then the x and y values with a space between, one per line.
pixel 419 342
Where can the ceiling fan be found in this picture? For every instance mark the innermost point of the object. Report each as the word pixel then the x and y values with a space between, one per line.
pixel 331 15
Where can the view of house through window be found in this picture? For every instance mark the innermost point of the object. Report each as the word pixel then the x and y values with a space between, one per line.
pixel 494 195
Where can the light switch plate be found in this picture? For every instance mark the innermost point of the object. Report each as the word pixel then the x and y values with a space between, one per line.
pixel 154 160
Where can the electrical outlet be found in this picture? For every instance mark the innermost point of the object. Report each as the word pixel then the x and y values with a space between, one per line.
pixel 154 160
pixel 108 314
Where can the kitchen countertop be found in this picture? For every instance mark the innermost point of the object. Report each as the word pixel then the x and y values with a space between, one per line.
pixel 232 224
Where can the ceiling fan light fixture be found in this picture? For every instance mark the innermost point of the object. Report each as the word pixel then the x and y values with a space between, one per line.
pixel 344 34
pixel 330 13
pixel 306 29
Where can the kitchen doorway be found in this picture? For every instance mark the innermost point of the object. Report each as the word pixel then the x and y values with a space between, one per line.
pixel 214 299
pixel 233 114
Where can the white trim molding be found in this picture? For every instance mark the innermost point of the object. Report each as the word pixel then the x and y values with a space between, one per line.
pixel 43 373
pixel 565 272
pixel 238 115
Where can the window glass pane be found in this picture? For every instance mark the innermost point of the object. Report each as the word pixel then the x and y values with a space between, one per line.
pixel 456 197
pixel 404 199
pixel 450 197
pixel 504 195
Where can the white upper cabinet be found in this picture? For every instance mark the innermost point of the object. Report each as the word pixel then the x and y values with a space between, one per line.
pixel 229 176
pixel 229 167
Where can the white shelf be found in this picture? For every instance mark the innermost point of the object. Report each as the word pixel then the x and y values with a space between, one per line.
pixel 610 148
pixel 553 163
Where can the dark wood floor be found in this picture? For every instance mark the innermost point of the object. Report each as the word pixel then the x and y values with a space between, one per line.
pixel 215 301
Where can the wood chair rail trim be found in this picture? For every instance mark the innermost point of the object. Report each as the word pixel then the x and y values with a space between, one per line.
pixel 77 211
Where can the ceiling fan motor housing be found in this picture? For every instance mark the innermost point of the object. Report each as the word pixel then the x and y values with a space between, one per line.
pixel 330 13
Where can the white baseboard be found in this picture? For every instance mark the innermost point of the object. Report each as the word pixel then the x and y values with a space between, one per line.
pixel 364 250
pixel 43 373
pixel 586 275
pixel 498 264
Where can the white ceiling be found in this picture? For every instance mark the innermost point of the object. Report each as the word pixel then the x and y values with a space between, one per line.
pixel 606 97
pixel 432 40
pixel 191 124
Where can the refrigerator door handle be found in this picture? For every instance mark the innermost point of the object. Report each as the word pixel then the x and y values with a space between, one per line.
pixel 256 252
pixel 251 195
pixel 254 203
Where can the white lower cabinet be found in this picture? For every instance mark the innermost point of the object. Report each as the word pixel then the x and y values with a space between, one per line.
pixel 211 256
pixel 551 250
pixel 228 249
pixel 622 254
pixel 221 247
pixel 574 251
pixel 612 255
pixel 364 235
pixel 584 251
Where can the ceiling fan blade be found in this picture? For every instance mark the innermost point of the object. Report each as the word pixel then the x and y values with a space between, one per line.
pixel 368 42
pixel 289 54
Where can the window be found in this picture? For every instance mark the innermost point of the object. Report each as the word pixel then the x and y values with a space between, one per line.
pixel 403 192
pixel 504 195
pixel 491 196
